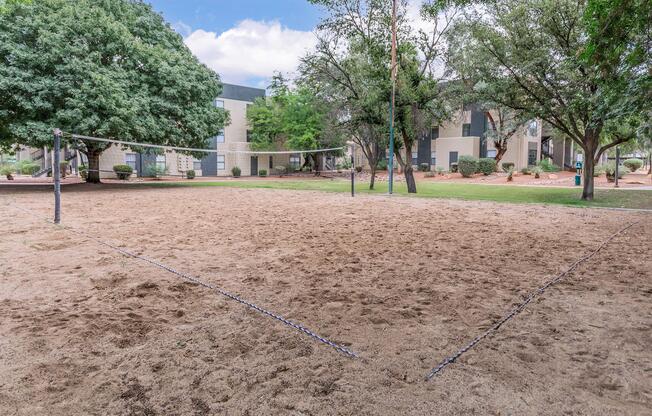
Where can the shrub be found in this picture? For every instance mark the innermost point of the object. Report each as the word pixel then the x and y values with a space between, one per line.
pixel 280 170
pixel 454 167
pixel 467 165
pixel 308 168
pixel 346 163
pixel 358 169
pixel 83 171
pixel 510 175
pixel 537 171
pixel 487 165
pixel 424 167
pixel 27 167
pixel 440 170
pixel 507 166
pixel 190 174
pixel 526 171
pixel 262 173
pixel 633 164
pixel 154 171
pixel 610 171
pixel 7 170
pixel 548 166
pixel 382 165
pixel 123 171
pixel 429 174
pixel 63 168
pixel 236 172
pixel 599 170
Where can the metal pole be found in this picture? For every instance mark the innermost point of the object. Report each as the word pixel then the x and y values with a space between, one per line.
pixel 390 163
pixel 57 176
pixel 617 165
pixel 352 170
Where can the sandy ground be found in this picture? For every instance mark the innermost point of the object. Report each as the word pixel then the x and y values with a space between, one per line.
pixel 403 282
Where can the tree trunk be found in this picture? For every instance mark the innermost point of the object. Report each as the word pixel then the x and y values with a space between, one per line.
pixel 649 170
pixel 409 179
pixel 589 167
pixel 500 152
pixel 93 165
pixel 372 181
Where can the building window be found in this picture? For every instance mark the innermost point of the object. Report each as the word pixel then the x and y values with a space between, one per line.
pixel 196 164
pixel 491 153
pixel 533 128
pixel 466 130
pixel 415 156
pixel 160 162
pixel 271 162
pixel 130 160
pixel 218 103
pixel 434 133
pixel 433 158
pixel 220 137
pixel 295 160
pixel 220 162
pixel 452 158
pixel 249 135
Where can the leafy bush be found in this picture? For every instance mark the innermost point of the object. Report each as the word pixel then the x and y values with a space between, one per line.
pixel 190 174
pixel 487 165
pixel 440 170
pixel 83 171
pixel 7 170
pixel 633 164
pixel 280 170
pixel 454 167
pixel 537 171
pixel 467 165
pixel 507 166
pixel 27 167
pixel 123 171
pixel 424 167
pixel 526 171
pixel 599 170
pixel 382 165
pixel 262 173
pixel 308 168
pixel 63 168
pixel 358 169
pixel 610 171
pixel 510 175
pixel 154 171
pixel 429 174
pixel 548 166
pixel 346 164
pixel 236 171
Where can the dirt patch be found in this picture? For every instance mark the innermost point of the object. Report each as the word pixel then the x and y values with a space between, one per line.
pixel 404 282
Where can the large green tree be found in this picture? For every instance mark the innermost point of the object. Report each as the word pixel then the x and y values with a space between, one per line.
pixel 580 66
pixel 292 119
pixel 109 68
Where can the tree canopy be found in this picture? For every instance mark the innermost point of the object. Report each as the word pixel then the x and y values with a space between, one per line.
pixel 110 68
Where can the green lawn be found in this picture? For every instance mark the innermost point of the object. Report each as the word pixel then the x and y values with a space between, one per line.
pixel 511 194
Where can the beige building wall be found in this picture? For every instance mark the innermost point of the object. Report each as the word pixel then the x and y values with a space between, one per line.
pixel 464 146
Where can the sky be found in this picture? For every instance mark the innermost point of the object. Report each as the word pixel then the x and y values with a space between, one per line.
pixel 244 41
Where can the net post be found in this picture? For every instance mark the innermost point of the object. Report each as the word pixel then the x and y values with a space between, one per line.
pixel 57 176
pixel 617 166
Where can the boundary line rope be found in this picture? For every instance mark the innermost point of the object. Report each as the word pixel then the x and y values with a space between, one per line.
pixel 200 282
pixel 191 149
pixel 520 307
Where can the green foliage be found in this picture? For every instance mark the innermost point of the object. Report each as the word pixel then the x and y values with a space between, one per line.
pixel 27 167
pixel 526 171
pixel 454 168
pixel 548 166
pixel 610 170
pixel 280 170
pixel 83 171
pixel 487 165
pixel 110 68
pixel 358 169
pixel 440 170
pixel 633 164
pixel 429 174
pixel 7 171
pixel 190 174
pixel 382 164
pixel 236 171
pixel 537 171
pixel 467 165
pixel 262 173
pixel 424 167
pixel 153 170
pixel 510 174
pixel 599 170
pixel 123 171
pixel 506 166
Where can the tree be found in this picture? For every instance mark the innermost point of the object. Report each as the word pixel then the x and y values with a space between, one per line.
pixel 362 28
pixel 291 118
pixel 110 68
pixel 563 62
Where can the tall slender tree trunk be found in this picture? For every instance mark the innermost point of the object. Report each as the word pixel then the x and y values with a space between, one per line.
pixel 500 152
pixel 649 169
pixel 590 147
pixel 372 181
pixel 93 165
pixel 589 168
pixel 409 178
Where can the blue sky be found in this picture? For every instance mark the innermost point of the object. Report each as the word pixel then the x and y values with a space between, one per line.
pixel 245 41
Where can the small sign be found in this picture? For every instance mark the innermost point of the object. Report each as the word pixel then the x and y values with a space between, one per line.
pixel 580 157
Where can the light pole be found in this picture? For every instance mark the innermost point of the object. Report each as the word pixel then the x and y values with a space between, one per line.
pixel 57 176
pixel 390 163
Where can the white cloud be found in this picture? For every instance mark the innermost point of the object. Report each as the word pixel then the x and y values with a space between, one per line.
pixel 252 49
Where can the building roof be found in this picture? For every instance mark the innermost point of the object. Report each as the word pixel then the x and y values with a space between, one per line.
pixel 241 93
